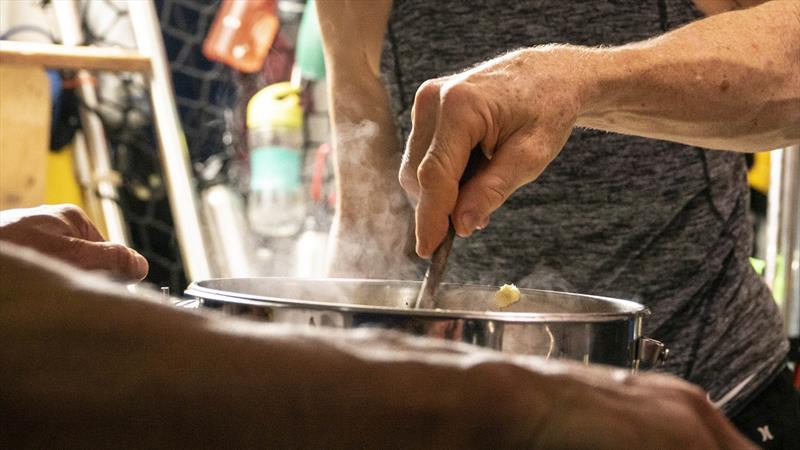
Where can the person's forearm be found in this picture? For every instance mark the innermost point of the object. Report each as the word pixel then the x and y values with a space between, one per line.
pixel 88 364
pixel 730 81
pixel 372 230
pixel 366 148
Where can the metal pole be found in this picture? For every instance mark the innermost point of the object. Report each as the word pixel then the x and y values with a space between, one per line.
pixel 782 272
pixel 174 154
pixel 228 232
pixel 83 173
pixel 72 35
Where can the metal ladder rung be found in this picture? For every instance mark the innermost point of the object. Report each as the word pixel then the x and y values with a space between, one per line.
pixel 150 59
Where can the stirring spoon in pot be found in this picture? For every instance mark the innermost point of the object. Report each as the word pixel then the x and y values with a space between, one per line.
pixel 435 272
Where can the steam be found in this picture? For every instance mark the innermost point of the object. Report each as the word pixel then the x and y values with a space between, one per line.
pixel 547 279
pixel 373 236
pixel 356 135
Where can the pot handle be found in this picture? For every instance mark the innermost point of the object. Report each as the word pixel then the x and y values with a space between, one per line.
pixel 650 354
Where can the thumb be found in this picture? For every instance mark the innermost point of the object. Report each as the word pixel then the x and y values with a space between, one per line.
pixel 515 163
pixel 116 259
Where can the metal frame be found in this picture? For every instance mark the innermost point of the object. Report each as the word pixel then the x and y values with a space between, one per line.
pixel 69 23
pixel 174 153
pixel 782 271
pixel 150 60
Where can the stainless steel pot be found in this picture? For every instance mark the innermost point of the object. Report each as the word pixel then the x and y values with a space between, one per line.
pixel 550 324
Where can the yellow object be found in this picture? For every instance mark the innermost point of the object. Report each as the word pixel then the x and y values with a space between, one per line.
pixel 507 295
pixel 276 105
pixel 61 186
pixel 758 176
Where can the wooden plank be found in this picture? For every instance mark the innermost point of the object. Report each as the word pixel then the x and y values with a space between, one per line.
pixel 73 57
pixel 24 135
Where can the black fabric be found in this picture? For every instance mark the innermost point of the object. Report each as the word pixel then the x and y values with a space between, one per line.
pixel 657 222
pixel 772 418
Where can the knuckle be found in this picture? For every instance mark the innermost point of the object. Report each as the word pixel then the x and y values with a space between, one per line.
pixel 415 150
pixel 74 247
pixel 494 195
pixel 454 94
pixel 407 179
pixel 428 91
pixel 120 259
pixel 496 190
pixel 530 164
pixel 71 211
pixel 73 214
pixel 529 158
pixel 433 169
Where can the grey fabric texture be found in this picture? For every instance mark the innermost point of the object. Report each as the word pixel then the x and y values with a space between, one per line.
pixel 660 223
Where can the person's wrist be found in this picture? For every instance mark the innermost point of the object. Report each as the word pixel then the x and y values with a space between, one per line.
pixel 584 69
pixel 576 72
pixel 602 83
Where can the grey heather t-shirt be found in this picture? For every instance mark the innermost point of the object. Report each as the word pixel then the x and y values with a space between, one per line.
pixel 657 222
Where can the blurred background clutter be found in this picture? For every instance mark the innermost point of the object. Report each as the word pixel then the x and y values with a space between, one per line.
pixel 247 81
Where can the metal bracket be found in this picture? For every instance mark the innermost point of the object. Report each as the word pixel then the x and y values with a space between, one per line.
pixel 650 354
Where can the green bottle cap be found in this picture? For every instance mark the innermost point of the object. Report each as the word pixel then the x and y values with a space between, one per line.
pixel 308 53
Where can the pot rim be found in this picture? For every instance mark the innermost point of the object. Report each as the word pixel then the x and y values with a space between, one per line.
pixel 627 308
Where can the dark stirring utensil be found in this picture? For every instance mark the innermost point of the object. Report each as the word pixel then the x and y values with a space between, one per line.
pixel 435 273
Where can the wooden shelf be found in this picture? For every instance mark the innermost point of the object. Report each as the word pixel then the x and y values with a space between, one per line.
pixel 73 57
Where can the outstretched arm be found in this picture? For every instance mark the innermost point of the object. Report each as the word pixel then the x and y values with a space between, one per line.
pixel 86 364
pixel 730 81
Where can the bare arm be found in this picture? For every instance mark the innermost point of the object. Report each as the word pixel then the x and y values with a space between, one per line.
pixel 730 81
pixel 86 364
pixel 711 7
pixel 372 228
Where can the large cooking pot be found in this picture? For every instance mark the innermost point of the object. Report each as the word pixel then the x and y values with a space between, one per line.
pixel 586 328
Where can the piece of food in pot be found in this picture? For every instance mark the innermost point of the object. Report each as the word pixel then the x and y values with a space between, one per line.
pixel 506 295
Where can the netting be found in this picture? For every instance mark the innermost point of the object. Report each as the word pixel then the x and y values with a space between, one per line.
pixel 204 93
pixel 208 96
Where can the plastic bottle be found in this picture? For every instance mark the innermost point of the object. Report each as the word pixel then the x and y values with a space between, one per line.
pixel 308 52
pixel 276 203
pixel 242 34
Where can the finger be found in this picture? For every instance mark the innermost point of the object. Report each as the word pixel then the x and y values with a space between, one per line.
pixel 515 163
pixel 458 130
pixel 423 124
pixel 119 260
pixel 76 218
pixel 437 197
